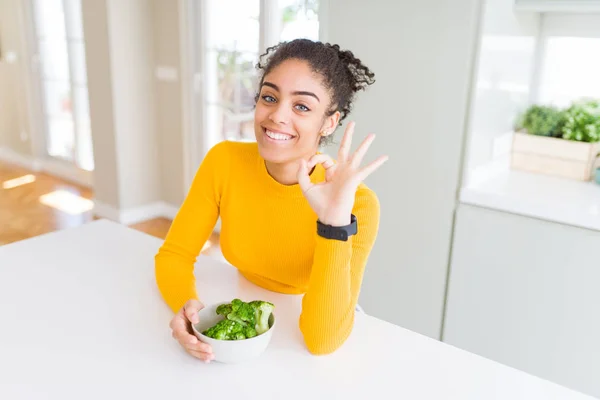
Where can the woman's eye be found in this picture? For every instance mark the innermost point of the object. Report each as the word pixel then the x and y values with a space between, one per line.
pixel 269 99
pixel 302 107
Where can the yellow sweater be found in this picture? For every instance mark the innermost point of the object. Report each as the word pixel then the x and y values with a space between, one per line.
pixel 269 233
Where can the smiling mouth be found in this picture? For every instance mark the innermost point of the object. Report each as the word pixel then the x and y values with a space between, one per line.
pixel 277 136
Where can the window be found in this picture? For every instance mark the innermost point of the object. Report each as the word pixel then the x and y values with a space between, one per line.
pixel 61 51
pixel 570 59
pixel 570 70
pixel 299 18
pixel 236 33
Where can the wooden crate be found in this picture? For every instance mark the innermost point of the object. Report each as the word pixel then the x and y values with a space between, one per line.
pixel 552 156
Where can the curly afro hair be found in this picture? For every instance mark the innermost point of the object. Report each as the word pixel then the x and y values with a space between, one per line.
pixel 343 74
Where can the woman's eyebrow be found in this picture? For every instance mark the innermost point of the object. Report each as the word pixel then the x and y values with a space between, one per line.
pixel 298 92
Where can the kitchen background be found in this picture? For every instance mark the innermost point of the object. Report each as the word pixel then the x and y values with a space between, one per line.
pixel 490 212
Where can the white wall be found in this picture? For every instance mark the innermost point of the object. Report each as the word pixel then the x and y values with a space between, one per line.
pixel 422 54
pixel 120 59
pixel 131 38
pixel 505 74
pixel 99 74
pixel 169 101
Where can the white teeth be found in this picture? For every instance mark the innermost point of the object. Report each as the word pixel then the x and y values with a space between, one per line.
pixel 277 136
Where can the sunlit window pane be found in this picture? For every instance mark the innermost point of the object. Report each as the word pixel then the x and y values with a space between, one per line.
pixel 58 101
pixel 85 155
pixel 299 19
pixel 61 138
pixel 236 79
pixel 55 59
pixel 77 49
pixel 570 70
pixel 73 19
pixel 233 25
pixel 50 19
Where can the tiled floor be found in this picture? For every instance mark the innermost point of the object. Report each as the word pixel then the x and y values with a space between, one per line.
pixel 33 203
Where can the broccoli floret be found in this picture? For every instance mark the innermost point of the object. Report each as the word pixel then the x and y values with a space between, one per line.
pixel 238 311
pixel 218 331
pixel 242 313
pixel 224 309
pixel 226 330
pixel 262 312
pixel 250 332
pixel 235 331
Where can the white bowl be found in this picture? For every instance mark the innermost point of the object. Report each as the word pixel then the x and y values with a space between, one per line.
pixel 231 351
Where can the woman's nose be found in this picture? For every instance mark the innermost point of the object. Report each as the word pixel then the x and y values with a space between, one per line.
pixel 280 115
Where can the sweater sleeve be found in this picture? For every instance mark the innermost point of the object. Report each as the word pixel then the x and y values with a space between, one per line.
pixel 193 224
pixel 329 304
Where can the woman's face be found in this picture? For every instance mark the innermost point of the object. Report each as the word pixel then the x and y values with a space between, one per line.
pixel 290 113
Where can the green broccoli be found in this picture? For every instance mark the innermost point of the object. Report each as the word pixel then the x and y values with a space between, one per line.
pixel 238 336
pixel 226 330
pixel 218 331
pixel 224 309
pixel 250 332
pixel 242 313
pixel 242 320
pixel 262 312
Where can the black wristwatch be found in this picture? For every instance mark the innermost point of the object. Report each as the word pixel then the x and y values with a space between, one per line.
pixel 338 232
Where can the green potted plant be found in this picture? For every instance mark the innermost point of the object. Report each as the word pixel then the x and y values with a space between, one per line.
pixel 559 142
pixel 542 120
pixel 582 122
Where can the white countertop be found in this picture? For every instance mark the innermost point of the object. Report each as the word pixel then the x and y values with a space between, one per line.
pixel 546 197
pixel 82 318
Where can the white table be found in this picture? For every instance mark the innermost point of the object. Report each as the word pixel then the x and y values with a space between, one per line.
pixel 82 318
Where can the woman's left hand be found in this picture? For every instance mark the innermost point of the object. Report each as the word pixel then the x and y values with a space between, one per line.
pixel 333 199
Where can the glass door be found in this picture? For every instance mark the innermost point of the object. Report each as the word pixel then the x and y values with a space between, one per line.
pixel 60 50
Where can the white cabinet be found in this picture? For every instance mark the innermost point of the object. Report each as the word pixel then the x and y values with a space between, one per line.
pixel 526 293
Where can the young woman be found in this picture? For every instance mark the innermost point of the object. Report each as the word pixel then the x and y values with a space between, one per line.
pixel 293 220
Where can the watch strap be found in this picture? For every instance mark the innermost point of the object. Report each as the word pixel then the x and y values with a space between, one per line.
pixel 338 232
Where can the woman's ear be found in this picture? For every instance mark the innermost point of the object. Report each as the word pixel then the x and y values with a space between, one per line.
pixel 331 122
